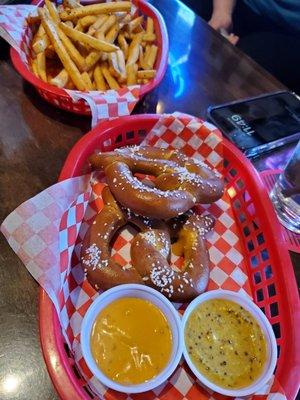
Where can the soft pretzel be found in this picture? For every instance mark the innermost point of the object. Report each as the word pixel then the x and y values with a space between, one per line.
pixel 155 269
pixel 180 182
pixel 150 252
pixel 102 271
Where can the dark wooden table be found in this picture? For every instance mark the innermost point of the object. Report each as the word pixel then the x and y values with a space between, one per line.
pixel 35 138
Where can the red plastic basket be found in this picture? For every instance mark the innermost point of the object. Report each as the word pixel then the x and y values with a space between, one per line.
pixel 269 267
pixel 60 97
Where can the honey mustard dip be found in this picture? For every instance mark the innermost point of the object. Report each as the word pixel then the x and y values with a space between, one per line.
pixel 131 341
pixel 225 343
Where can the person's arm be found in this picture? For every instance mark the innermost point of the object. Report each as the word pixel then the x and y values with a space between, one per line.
pixel 221 19
pixel 222 14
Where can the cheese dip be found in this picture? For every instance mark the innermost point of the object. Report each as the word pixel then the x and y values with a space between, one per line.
pixel 131 340
pixel 225 343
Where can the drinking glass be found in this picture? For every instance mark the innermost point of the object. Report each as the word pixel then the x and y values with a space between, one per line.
pixel 286 193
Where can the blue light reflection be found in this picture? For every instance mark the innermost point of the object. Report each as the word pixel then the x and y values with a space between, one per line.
pixel 180 48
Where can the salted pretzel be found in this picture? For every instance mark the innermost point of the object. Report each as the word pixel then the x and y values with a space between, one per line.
pixel 103 272
pixel 180 182
pixel 150 253
pixel 155 268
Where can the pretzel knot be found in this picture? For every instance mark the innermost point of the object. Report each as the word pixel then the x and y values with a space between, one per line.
pixel 180 182
pixel 150 253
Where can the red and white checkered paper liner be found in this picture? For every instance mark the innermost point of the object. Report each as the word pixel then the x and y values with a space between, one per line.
pixel 46 233
pixel 104 105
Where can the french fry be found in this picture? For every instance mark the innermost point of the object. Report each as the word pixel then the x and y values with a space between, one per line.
pixel 134 49
pixel 71 3
pixel 112 83
pixel 41 66
pixel 95 9
pixel 97 24
pixel 105 27
pixel 151 58
pixel 34 67
pixel 63 55
pixel 138 29
pixel 87 80
pixel 149 26
pixel 122 64
pixel 133 24
pixel 100 35
pixel 112 33
pixel 125 20
pixel 61 79
pixel 131 70
pixel 40 41
pixel 149 37
pixel 110 38
pixel 70 24
pixel 87 20
pixel 87 39
pixel 146 74
pixel 117 63
pixel 52 11
pixel 123 44
pixel 146 53
pixel 101 46
pixel 99 79
pixel 92 59
pixel 142 81
pixel 40 44
pixel 77 27
pixel 71 49
pixel 113 72
pixel 114 66
pixel 39 33
pixel 121 15
pixel 141 55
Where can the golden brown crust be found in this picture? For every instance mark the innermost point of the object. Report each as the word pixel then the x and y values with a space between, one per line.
pixel 102 271
pixel 180 182
pixel 142 199
pixel 151 264
pixel 150 252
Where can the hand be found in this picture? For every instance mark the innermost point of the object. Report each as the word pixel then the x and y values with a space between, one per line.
pixel 221 21
pixel 232 38
pixel 223 24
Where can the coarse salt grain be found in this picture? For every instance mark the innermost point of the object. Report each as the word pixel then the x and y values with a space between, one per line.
pixel 92 256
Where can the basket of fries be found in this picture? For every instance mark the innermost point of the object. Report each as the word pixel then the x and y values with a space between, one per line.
pixel 92 49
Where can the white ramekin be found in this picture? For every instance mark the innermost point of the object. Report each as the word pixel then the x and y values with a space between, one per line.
pixel 266 327
pixel 143 292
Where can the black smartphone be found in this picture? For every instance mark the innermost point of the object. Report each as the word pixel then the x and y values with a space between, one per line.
pixel 259 124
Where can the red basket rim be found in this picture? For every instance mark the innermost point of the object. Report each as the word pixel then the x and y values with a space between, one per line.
pixel 164 48
pixel 52 346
